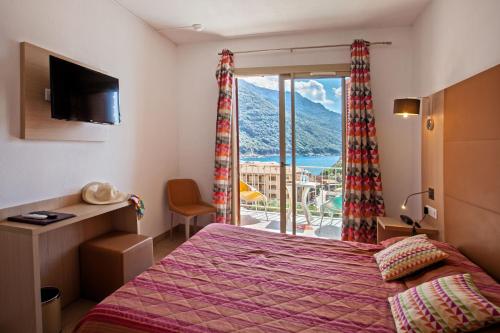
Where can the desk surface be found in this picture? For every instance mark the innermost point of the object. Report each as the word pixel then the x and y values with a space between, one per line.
pixel 391 223
pixel 82 211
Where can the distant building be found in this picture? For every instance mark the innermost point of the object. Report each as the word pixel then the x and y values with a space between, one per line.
pixel 265 177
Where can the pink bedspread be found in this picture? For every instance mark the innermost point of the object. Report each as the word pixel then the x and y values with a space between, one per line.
pixel 228 279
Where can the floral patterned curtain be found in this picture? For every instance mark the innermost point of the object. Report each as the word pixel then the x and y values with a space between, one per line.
pixel 223 153
pixel 363 200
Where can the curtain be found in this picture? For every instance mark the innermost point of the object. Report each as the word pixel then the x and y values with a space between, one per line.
pixel 223 152
pixel 363 200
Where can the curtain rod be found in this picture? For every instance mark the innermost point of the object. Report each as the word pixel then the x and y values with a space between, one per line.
pixel 291 49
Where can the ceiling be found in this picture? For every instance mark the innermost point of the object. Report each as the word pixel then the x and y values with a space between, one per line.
pixel 243 18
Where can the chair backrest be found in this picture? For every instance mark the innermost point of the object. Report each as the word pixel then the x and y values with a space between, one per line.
pixel 182 192
pixel 337 203
pixel 244 186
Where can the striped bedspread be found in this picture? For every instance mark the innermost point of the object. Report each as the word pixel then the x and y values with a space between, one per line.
pixel 231 279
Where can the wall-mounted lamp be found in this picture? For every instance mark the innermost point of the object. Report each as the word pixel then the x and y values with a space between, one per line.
pixel 430 190
pixel 407 107
pixel 411 107
pixel 408 220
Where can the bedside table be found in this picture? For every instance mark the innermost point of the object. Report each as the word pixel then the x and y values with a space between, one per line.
pixel 388 227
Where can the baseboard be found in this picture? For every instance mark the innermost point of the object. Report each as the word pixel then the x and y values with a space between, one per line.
pixel 165 234
pixel 177 229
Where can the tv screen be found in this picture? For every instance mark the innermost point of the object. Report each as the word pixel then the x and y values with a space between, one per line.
pixel 82 94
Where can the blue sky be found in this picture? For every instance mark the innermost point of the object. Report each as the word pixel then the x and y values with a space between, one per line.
pixel 325 91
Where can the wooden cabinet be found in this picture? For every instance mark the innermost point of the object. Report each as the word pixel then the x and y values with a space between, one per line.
pixel 388 227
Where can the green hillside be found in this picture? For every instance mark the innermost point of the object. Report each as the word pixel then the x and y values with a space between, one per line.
pixel 318 130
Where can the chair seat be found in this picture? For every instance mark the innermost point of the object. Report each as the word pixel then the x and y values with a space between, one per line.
pixel 194 209
pixel 251 196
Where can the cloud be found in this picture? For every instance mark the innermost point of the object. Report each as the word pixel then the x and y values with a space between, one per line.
pixel 337 91
pixel 314 91
pixel 310 89
pixel 269 82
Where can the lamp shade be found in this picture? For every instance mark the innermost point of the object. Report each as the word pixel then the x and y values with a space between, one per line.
pixel 407 106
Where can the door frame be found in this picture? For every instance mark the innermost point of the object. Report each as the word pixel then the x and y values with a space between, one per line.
pixel 292 73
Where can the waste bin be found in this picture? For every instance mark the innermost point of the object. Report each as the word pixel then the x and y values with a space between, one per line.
pixel 51 310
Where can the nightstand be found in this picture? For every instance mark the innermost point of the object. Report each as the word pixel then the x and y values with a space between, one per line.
pixel 388 227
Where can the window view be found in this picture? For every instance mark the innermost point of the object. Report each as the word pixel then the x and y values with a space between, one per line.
pixel 318 140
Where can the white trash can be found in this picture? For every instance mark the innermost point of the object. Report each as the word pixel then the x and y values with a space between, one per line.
pixel 51 310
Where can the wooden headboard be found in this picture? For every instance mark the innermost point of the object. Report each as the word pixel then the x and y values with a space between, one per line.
pixel 461 160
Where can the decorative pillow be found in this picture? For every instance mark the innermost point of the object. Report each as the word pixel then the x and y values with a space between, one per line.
pixel 407 256
pixel 456 263
pixel 449 304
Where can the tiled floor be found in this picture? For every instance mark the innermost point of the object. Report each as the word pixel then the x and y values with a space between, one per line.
pixel 75 311
pixel 329 228
pixel 167 245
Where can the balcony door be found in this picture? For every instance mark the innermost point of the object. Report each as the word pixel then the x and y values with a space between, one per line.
pixel 290 148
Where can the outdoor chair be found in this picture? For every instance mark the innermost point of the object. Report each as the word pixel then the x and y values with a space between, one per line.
pixel 251 195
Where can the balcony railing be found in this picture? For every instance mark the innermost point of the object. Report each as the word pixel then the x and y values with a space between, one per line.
pixel 321 184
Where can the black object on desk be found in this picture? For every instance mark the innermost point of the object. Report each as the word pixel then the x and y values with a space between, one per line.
pixel 51 218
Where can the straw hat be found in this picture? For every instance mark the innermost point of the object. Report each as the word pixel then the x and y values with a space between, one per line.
pixel 102 194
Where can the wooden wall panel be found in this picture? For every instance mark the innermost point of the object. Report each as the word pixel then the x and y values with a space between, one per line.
pixel 471 163
pixel 471 172
pixel 475 232
pixel 460 160
pixel 432 158
pixel 472 108
pixel 36 120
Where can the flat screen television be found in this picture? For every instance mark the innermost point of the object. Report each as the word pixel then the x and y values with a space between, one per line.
pixel 81 94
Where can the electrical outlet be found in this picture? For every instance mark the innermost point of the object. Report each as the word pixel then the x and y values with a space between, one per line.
pixel 431 211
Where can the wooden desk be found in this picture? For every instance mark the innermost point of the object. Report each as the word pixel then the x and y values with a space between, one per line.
pixel 33 256
pixel 388 227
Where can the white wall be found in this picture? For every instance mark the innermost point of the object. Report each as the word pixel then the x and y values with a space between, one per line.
pixel 451 40
pixel 141 152
pixel 454 39
pixel 391 67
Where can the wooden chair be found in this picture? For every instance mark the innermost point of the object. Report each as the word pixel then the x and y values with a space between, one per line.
pixel 184 199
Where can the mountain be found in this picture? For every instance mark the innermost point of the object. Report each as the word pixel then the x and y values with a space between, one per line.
pixel 318 130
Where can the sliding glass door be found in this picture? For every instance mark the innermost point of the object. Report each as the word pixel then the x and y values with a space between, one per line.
pixel 290 132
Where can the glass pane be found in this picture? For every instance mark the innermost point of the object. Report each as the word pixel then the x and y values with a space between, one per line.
pixel 258 120
pixel 318 135
pixel 288 155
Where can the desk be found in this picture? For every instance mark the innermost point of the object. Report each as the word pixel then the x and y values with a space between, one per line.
pixel 388 227
pixel 33 256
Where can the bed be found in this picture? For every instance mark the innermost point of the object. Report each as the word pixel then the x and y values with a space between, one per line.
pixel 227 279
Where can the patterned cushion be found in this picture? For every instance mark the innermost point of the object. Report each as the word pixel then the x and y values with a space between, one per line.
pixel 407 256
pixel 449 304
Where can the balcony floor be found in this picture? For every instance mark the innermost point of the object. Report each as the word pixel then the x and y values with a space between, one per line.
pixel 256 219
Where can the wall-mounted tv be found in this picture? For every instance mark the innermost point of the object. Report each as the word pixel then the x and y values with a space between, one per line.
pixel 81 94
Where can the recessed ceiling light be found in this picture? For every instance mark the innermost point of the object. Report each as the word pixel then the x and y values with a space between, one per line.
pixel 198 27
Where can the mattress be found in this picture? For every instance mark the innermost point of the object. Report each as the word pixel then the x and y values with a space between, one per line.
pixel 232 279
